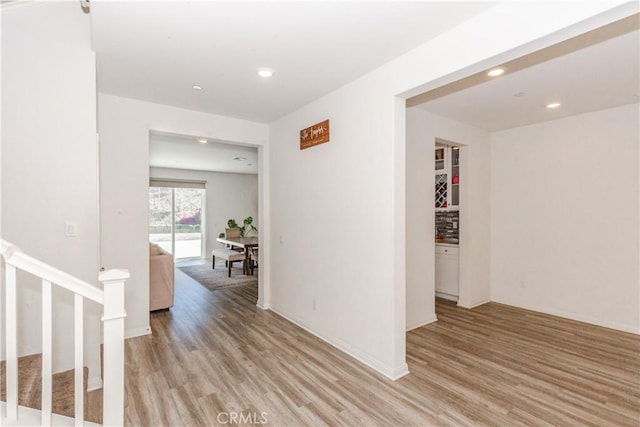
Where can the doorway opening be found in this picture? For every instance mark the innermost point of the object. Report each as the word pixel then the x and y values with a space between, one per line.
pixel 447 219
pixel 227 175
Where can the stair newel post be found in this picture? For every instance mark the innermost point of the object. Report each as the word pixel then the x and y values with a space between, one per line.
pixel 113 352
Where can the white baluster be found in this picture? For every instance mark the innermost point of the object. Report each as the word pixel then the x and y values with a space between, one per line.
pixel 112 299
pixel 2 303
pixel 78 343
pixel 47 371
pixel 113 359
pixel 12 343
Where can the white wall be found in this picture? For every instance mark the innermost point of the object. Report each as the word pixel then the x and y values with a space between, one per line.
pixel 227 195
pixel 332 223
pixel 124 126
pixel 340 207
pixel 564 225
pixel 422 130
pixel 49 161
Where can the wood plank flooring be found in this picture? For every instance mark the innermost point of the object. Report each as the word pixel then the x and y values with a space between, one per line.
pixel 216 353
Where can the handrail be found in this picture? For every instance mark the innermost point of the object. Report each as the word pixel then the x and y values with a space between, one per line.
pixel 4 246
pixel 110 296
pixel 15 257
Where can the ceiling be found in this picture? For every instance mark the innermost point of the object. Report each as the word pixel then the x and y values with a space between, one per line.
pixel 603 75
pixel 156 51
pixel 185 152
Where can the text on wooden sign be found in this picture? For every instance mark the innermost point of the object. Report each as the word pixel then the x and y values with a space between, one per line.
pixel 314 135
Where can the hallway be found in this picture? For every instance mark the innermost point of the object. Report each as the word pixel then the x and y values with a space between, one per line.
pixel 216 353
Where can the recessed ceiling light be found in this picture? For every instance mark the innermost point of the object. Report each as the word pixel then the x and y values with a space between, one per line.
pixel 496 72
pixel 202 141
pixel 239 158
pixel 553 105
pixel 265 72
pixel 196 87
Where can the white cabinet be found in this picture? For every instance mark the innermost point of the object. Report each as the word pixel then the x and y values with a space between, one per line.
pixel 447 271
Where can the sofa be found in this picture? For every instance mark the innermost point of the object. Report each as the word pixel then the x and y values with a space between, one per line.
pixel 160 278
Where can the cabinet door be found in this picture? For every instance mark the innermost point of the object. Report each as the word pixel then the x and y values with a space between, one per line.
pixel 440 159
pixel 454 200
pixel 447 274
pixel 447 179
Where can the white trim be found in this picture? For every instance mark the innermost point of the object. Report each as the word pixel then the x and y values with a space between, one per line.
pixel 137 332
pixel 422 323
pixel 264 218
pixel 448 297
pixel 575 316
pixel 399 372
pixel 31 417
pixel 47 356
pixel 94 383
pixel 399 240
pixel 113 275
pixel 470 305
pixel 15 257
pixel 78 358
pixel 262 306
pixel 393 373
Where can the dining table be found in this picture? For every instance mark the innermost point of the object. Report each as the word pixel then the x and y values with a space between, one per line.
pixel 246 243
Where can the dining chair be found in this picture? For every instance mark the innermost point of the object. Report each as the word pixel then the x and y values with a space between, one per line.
pixel 253 259
pixel 232 233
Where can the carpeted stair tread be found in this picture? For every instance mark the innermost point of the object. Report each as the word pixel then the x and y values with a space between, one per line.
pixel 30 386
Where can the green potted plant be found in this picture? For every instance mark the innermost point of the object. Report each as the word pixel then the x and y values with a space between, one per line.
pixel 246 228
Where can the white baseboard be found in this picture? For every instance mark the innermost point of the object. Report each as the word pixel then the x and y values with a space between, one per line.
pixel 94 383
pixel 471 305
pixel 574 316
pixel 449 297
pixel 137 332
pixel 421 323
pixel 262 306
pixel 399 372
pixel 393 373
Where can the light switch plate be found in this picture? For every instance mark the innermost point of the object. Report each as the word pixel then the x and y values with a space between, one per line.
pixel 71 229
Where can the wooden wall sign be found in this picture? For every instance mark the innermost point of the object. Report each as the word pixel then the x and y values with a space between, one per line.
pixel 314 135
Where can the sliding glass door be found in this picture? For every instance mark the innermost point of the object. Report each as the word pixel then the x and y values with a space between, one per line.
pixel 161 217
pixel 175 219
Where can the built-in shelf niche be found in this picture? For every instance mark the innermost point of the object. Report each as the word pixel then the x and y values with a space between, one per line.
pixel 447 177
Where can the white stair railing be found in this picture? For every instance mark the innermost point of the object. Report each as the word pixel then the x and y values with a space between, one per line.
pixel 111 297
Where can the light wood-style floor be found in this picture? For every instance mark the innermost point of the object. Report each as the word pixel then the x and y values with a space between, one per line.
pixel 216 353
